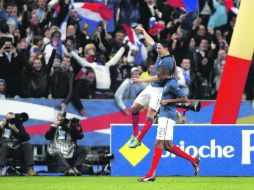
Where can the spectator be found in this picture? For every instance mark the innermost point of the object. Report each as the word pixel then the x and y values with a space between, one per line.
pixel 126 16
pixel 201 34
pixel 206 9
pixel 55 42
pixel 74 19
pixel 10 68
pixel 219 67
pixel 185 65
pixel 38 45
pixel 13 142
pixel 79 38
pixel 35 25
pixel 180 78
pixel 203 71
pixel 90 52
pixel 128 90
pixel 61 82
pixel 41 11
pixel 219 17
pixel 83 88
pixel 63 150
pixel 147 74
pixel 101 69
pixel 219 64
pixel 36 77
pixel 148 9
pixel 117 42
pixel 2 89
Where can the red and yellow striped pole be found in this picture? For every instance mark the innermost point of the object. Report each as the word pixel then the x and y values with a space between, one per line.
pixel 236 67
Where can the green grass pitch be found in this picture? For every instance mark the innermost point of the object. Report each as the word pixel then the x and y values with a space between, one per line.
pixel 126 183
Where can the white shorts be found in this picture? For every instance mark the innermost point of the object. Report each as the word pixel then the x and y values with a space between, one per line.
pixel 150 97
pixel 165 129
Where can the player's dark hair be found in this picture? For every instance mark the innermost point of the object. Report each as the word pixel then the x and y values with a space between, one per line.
pixel 165 44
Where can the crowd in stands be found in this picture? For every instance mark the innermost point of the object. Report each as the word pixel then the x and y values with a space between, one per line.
pixel 39 60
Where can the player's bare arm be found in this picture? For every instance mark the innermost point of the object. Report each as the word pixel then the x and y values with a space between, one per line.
pixel 148 38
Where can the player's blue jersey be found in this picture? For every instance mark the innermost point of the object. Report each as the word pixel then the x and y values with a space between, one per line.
pixel 166 61
pixel 171 90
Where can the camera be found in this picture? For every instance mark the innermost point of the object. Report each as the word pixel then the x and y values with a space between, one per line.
pixel 64 121
pixel 74 122
pixel 19 118
pixel 7 48
pixel 194 106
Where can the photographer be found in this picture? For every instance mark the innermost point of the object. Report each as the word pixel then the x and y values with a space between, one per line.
pixel 11 65
pixel 12 141
pixel 63 149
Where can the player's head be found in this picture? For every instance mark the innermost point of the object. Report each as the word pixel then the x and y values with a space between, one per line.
pixel 163 73
pixel 163 48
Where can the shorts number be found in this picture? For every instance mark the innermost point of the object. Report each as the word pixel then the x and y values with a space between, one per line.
pixel 162 131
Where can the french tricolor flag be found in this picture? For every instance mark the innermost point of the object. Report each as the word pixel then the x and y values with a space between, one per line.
pixel 91 14
pixel 135 45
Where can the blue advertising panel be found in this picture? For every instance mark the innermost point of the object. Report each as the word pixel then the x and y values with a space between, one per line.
pixel 225 150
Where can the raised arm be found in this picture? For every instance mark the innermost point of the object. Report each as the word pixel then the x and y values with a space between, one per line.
pixel 148 38
pixel 114 60
pixel 80 60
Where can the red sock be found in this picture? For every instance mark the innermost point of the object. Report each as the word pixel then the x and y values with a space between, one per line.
pixel 135 120
pixel 146 127
pixel 156 159
pixel 177 151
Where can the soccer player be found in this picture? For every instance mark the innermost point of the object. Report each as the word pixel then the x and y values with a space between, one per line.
pixel 171 95
pixel 150 96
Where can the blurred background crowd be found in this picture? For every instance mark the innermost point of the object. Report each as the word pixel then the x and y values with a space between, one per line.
pixel 74 50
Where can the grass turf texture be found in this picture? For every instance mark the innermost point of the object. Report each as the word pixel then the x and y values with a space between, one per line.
pixel 126 183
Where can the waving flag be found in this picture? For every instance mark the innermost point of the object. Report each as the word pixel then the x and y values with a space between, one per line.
pixel 91 14
pixel 129 32
pixel 155 27
pixel 135 46
pixel 102 10
pixel 187 5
